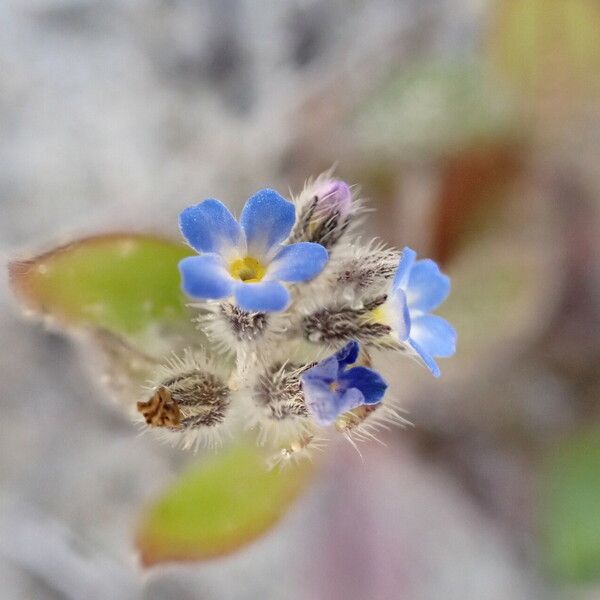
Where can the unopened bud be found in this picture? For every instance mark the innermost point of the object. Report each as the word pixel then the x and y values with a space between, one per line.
pixel 334 198
pixel 325 210
pixel 337 324
pixel 367 271
pixel 278 392
pixel 189 398
pixel 281 415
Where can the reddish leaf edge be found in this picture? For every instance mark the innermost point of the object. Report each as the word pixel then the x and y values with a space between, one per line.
pixel 151 554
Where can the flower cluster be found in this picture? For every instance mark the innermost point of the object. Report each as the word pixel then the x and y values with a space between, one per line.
pixel 293 305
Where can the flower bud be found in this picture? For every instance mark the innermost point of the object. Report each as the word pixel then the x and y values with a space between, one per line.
pixel 279 411
pixel 325 210
pixel 365 271
pixel 192 398
pixel 333 198
pixel 336 324
pixel 278 392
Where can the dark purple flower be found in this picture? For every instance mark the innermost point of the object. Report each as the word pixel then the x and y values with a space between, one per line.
pixel 332 387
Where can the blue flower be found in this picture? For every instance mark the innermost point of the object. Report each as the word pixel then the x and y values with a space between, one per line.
pixel 418 288
pixel 331 388
pixel 247 261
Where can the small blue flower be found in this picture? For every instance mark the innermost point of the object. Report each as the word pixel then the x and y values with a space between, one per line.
pixel 247 261
pixel 418 288
pixel 331 388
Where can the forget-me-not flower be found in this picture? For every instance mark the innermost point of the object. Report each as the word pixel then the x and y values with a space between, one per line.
pixel 332 388
pixel 246 260
pixel 418 288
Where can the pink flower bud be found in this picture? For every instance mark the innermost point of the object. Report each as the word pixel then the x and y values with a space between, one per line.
pixel 334 197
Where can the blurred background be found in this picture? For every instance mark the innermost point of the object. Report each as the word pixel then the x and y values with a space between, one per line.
pixel 473 128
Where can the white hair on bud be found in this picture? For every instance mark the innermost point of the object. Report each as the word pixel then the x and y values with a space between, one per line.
pixel 319 220
pixel 233 331
pixel 197 390
pixel 364 271
pixel 277 407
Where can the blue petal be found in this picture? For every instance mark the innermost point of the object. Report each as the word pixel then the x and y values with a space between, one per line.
pixel 267 220
pixel 326 370
pixel 298 262
pixel 348 354
pixel 321 402
pixel 209 227
pixel 269 296
pixel 426 358
pixel 398 314
pixel 434 335
pixel 351 398
pixel 427 286
pixel 370 383
pixel 407 260
pixel 205 277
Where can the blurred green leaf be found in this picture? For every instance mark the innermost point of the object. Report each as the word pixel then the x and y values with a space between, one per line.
pixel 434 108
pixel 123 283
pixel 542 45
pixel 488 295
pixel 571 508
pixel 218 506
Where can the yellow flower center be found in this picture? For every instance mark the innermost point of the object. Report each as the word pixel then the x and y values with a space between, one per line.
pixel 379 315
pixel 247 269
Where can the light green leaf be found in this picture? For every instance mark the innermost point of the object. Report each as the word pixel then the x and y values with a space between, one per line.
pixel 216 507
pixel 123 283
pixel 434 108
pixel 547 46
pixel 488 294
pixel 571 508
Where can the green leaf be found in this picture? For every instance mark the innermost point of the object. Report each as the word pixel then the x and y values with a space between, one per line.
pixel 123 283
pixel 218 506
pixel 486 295
pixel 547 46
pixel 434 108
pixel 571 508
